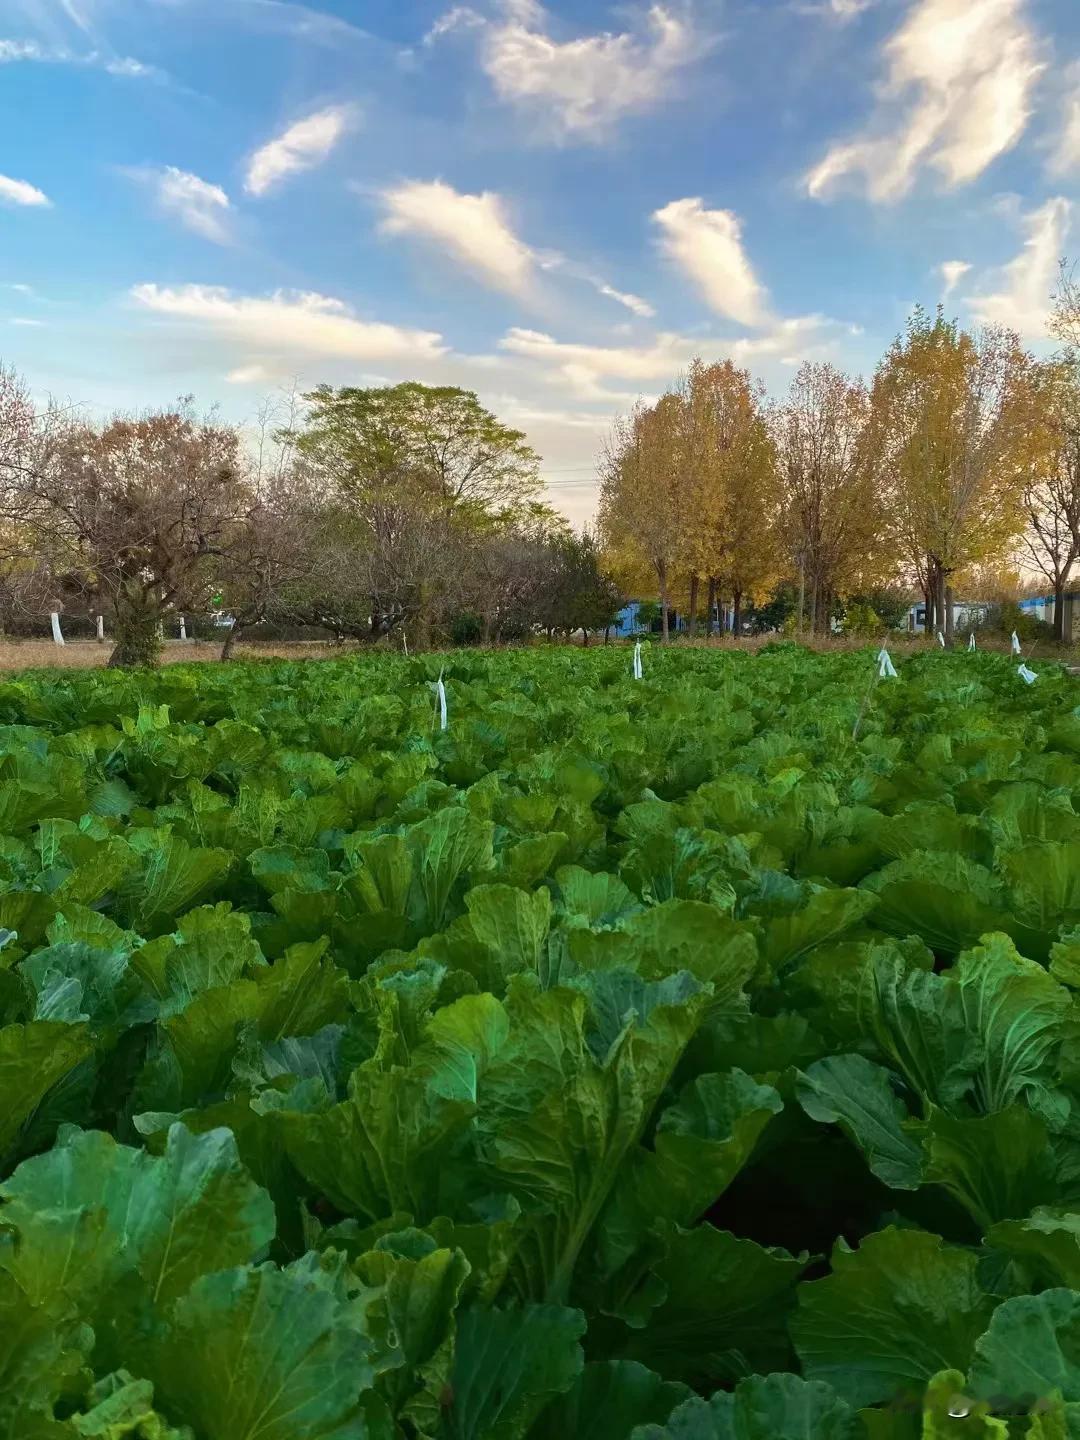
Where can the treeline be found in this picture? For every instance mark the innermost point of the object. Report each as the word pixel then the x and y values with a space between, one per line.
pixel 412 512
pixel 962 453
pixel 405 510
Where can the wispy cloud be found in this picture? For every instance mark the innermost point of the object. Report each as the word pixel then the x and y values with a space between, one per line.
pixel 1065 152
pixel 707 246
pixel 476 231
pixel 198 205
pixel 959 79
pixel 25 321
pixel 287 323
pixel 1023 288
pixel 255 374
pixel 577 88
pixel 951 272
pixel 460 17
pixel 842 10
pixel 21 192
pixel 13 52
pixel 305 144
pixel 587 370
pixel 634 303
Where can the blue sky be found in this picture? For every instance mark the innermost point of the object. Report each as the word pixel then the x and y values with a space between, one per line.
pixel 556 205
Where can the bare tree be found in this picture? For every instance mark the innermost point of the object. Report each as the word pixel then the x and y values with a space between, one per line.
pixel 131 512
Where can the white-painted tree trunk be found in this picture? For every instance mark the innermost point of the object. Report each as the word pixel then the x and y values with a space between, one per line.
pixel 101 629
pixel 56 632
pixel 183 629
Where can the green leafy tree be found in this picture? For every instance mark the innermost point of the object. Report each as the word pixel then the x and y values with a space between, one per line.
pixel 418 470
pixel 577 595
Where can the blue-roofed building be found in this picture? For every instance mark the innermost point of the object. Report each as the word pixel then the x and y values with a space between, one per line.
pixel 1041 607
pixel 627 622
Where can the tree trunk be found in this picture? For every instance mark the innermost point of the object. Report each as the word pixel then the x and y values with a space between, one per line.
pixel 928 609
pixel 736 614
pixel 943 617
pixel 802 596
pixel 664 631
pixel 710 623
pixel 136 621
pixel 421 629
pixel 813 608
pixel 584 636
pixel 949 613
pixel 607 634
pixel 1059 613
pixel 230 641
pixel 694 583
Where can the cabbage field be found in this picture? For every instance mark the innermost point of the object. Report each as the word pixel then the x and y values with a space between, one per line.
pixel 686 1058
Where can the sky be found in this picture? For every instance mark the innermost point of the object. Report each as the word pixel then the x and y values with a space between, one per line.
pixel 555 205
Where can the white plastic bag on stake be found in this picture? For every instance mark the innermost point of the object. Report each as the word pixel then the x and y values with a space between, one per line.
pixel 440 691
pixel 183 629
pixel 886 669
pixel 971 640
pixel 57 634
pixel 1015 643
pixel 1028 676
pixel 941 639
pixel 638 674
pixel 101 629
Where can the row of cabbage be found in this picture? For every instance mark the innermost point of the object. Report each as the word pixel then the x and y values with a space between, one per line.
pixel 668 1059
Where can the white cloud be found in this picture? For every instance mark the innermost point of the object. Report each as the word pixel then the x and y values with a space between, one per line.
pixel 26 321
pixel 29 51
pixel 579 89
pixel 14 50
pixel 587 370
pixel 1025 285
pixel 197 204
pixel 21 288
pixel 956 95
pixel 21 192
pixel 634 303
pixel 584 369
pixel 288 323
pixel 707 247
pixel 126 65
pixel 474 229
pixel 951 272
pixel 1065 156
pixel 460 17
pixel 302 146
pixel 841 10
pixel 76 15
pixel 254 374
